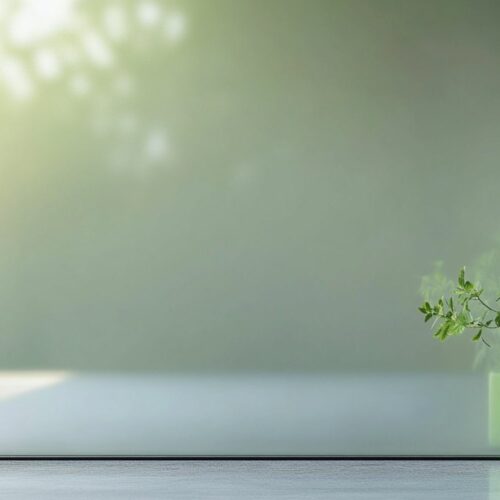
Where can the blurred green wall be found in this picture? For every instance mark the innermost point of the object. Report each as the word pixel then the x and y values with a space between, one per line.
pixel 245 185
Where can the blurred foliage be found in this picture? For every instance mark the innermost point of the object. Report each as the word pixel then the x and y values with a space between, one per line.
pixel 469 311
pixel 465 304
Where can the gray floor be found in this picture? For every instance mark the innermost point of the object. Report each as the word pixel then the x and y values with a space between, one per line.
pixel 346 480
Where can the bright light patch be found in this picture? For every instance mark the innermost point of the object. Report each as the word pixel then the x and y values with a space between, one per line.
pixel 115 23
pixel 175 27
pixel 156 145
pixel 13 384
pixel 47 64
pixel 36 20
pixel 75 41
pixel 15 78
pixel 3 10
pixel 148 13
pixel 97 50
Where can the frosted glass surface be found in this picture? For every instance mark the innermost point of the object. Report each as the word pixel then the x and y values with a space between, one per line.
pixel 242 187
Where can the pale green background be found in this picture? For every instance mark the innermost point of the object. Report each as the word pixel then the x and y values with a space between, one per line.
pixel 320 155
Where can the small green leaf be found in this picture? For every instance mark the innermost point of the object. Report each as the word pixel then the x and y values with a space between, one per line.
pixel 428 317
pixel 477 336
pixel 461 277
pixel 437 309
pixel 497 319
pixel 468 286
pixel 444 331
pixel 463 318
pixel 456 329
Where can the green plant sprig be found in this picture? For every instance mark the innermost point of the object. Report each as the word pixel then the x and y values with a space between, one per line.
pixel 470 311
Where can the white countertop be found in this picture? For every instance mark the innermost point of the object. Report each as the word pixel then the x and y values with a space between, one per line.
pixel 72 414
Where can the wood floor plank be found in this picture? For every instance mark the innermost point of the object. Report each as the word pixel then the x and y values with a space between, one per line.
pixel 310 480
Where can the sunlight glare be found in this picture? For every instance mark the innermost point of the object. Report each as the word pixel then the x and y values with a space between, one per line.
pixel 35 20
pixel 148 13
pixel 47 64
pixel 14 383
pixel 175 27
pixel 16 79
pixel 97 50
pixel 115 23
pixel 156 145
